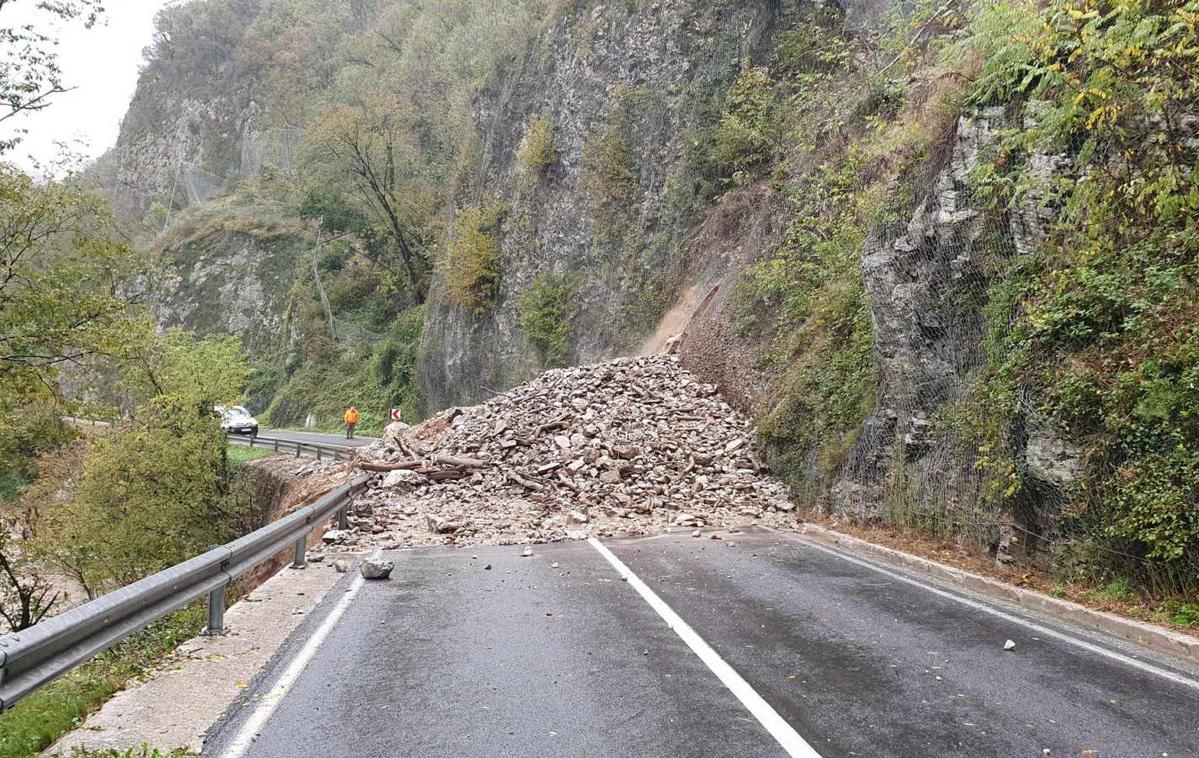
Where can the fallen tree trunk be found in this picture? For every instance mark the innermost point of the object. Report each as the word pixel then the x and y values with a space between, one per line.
pixel 453 460
pixel 397 466
pixel 446 475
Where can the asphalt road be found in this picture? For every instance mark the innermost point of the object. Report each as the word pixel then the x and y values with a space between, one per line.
pixel 529 658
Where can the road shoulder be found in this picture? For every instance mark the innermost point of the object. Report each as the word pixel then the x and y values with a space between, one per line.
pixel 182 699
pixel 1178 645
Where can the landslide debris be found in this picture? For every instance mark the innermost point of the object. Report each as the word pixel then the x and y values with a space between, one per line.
pixel 632 446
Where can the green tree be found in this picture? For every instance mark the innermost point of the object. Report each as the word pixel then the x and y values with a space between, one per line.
pixel 158 488
pixel 369 147
pixel 30 76
pixel 69 298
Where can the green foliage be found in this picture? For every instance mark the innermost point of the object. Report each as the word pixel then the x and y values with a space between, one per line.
pixel 546 312
pixel 810 301
pixel 333 209
pixel 472 266
pixel 30 75
pixel 610 170
pixel 31 431
pixel 824 398
pixel 1099 325
pixel 538 149
pixel 1182 614
pixel 236 455
pixel 37 721
pixel 66 299
pixel 373 378
pixel 156 489
pixel 750 132
pixel 1117 590
pixel 815 44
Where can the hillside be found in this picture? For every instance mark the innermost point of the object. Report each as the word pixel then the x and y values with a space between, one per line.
pixel 943 255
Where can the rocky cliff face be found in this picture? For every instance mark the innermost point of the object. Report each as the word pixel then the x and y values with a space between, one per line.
pixel 626 91
pixel 923 277
pixel 182 136
pixel 927 279
pixel 232 273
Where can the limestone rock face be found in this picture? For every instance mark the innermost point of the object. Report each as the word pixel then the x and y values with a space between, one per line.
pixel 926 279
pixel 1052 460
pixel 922 278
pixel 224 281
pixel 644 73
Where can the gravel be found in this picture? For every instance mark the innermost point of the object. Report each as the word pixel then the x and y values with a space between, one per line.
pixel 630 447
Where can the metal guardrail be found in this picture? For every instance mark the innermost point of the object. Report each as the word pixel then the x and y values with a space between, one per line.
pixel 319 449
pixel 36 656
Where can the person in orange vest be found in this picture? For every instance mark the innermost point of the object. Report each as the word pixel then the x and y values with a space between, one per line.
pixel 351 421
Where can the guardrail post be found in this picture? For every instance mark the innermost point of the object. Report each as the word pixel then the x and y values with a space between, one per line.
pixel 276 445
pixel 342 522
pixel 216 612
pixel 251 440
pixel 298 446
pixel 318 452
pixel 300 561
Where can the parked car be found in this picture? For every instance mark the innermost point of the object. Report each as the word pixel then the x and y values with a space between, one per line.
pixel 237 420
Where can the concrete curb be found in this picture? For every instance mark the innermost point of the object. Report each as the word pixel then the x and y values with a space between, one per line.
pixel 1160 639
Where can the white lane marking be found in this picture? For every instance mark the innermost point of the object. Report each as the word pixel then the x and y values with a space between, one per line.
pixel 269 702
pixel 1047 631
pixel 787 737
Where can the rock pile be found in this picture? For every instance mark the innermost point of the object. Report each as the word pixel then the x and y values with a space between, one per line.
pixel 632 446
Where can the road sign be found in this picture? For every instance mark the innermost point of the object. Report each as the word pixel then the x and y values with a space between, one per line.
pixel 395 414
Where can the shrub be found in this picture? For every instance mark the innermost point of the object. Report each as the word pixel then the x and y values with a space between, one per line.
pixel 546 312
pixel 538 150
pixel 750 132
pixel 472 269
pixel 611 173
pixel 1099 327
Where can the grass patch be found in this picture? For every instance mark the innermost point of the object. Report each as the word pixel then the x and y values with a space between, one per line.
pixel 145 751
pixel 1117 590
pixel 10 484
pixel 1181 614
pixel 239 454
pixel 38 720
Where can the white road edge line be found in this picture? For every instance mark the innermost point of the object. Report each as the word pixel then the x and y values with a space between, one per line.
pixel 266 705
pixel 786 736
pixel 1044 630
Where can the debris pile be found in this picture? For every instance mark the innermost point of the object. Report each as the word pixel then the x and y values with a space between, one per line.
pixel 632 446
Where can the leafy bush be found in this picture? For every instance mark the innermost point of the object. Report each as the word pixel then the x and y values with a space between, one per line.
pixel 611 173
pixel 816 43
pixel 472 267
pixel 156 489
pixel 1183 614
pixel 538 149
pixel 334 210
pixel 546 312
pixel 751 127
pixel 1099 324
pixel 373 378
pixel 809 298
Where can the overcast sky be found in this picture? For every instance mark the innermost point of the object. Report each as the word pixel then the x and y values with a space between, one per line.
pixel 101 63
